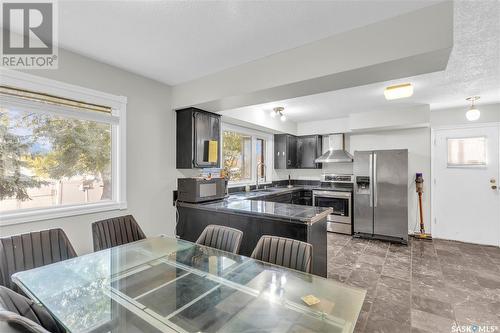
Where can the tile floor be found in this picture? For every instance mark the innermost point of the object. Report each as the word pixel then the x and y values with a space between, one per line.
pixel 427 286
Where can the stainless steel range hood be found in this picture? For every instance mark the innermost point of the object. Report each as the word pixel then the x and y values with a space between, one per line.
pixel 336 152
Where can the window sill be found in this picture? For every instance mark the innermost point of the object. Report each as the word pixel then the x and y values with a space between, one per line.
pixel 33 215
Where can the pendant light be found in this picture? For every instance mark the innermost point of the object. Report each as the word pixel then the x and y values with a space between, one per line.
pixel 472 114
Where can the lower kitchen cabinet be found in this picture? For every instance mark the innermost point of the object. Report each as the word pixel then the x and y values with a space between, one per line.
pixel 192 221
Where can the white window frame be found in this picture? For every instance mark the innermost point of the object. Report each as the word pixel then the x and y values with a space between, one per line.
pixel 117 118
pixel 468 166
pixel 269 148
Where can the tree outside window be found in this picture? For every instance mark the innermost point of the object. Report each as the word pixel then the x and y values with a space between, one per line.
pixel 48 160
pixel 237 155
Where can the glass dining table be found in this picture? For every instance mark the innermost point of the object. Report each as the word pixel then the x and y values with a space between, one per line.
pixel 165 284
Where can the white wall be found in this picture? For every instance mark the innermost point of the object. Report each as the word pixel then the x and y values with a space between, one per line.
pixel 259 120
pixel 407 45
pixel 398 117
pixel 417 141
pixel 456 116
pixel 150 149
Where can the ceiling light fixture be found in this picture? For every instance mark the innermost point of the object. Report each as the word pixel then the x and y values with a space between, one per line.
pixel 278 111
pixel 472 114
pixel 398 91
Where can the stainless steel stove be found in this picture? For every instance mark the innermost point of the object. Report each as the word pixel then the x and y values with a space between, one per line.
pixel 336 192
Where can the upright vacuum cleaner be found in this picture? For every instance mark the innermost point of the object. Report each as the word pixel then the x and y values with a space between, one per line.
pixel 419 184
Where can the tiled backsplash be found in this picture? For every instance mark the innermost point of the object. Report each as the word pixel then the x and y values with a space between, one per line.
pixel 313 174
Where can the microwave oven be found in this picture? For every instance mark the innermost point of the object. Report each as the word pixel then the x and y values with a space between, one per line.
pixel 196 190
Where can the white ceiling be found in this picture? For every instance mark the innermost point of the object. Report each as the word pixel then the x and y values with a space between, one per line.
pixel 473 69
pixel 178 41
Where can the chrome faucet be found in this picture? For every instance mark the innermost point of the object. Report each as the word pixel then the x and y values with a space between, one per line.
pixel 257 181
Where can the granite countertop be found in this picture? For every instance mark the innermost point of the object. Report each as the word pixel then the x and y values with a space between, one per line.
pixel 248 203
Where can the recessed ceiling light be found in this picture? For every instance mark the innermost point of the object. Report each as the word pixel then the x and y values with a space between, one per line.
pixel 472 114
pixel 398 91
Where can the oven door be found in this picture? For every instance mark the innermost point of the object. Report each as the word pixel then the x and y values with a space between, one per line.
pixel 340 202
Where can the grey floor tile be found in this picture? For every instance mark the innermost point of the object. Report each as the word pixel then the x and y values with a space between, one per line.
pixel 379 324
pixel 424 287
pixel 371 259
pixel 430 322
pixel 432 305
pixel 398 312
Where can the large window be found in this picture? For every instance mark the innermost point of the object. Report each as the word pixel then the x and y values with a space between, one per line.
pixel 58 157
pixel 245 154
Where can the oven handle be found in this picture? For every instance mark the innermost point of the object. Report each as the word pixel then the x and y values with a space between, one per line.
pixel 331 194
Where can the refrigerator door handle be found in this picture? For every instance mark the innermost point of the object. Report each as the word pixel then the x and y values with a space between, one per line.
pixel 375 194
pixel 370 184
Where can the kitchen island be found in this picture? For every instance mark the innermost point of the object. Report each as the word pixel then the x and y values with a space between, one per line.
pixel 252 213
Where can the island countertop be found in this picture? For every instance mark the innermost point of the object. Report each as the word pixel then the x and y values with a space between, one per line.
pixel 249 203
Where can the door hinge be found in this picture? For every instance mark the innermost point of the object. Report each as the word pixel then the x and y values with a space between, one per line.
pixel 434 181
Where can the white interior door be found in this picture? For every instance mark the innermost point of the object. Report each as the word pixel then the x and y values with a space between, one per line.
pixel 466 199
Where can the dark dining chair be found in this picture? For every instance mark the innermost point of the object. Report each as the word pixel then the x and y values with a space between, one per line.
pixel 221 237
pixel 20 314
pixel 284 252
pixel 31 250
pixel 116 231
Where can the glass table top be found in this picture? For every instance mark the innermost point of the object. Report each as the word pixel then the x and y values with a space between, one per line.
pixel 165 284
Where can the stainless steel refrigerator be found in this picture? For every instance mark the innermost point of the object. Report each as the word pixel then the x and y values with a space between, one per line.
pixel 381 194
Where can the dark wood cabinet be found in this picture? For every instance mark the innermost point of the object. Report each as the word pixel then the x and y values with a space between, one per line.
pixel 292 152
pixel 308 149
pixel 303 197
pixel 198 137
pixel 281 198
pixel 285 151
pixel 192 221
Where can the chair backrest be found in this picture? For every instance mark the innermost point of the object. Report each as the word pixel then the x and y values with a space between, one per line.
pixel 31 250
pixel 285 252
pixel 221 237
pixel 11 322
pixel 116 231
pixel 20 314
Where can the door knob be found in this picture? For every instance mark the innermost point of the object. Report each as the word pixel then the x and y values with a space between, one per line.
pixel 493 183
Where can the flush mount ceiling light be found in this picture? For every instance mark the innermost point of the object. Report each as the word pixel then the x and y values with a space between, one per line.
pixel 398 91
pixel 472 114
pixel 278 111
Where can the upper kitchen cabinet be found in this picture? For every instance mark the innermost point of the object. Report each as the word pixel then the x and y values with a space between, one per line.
pixel 285 151
pixel 308 149
pixel 292 152
pixel 198 139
